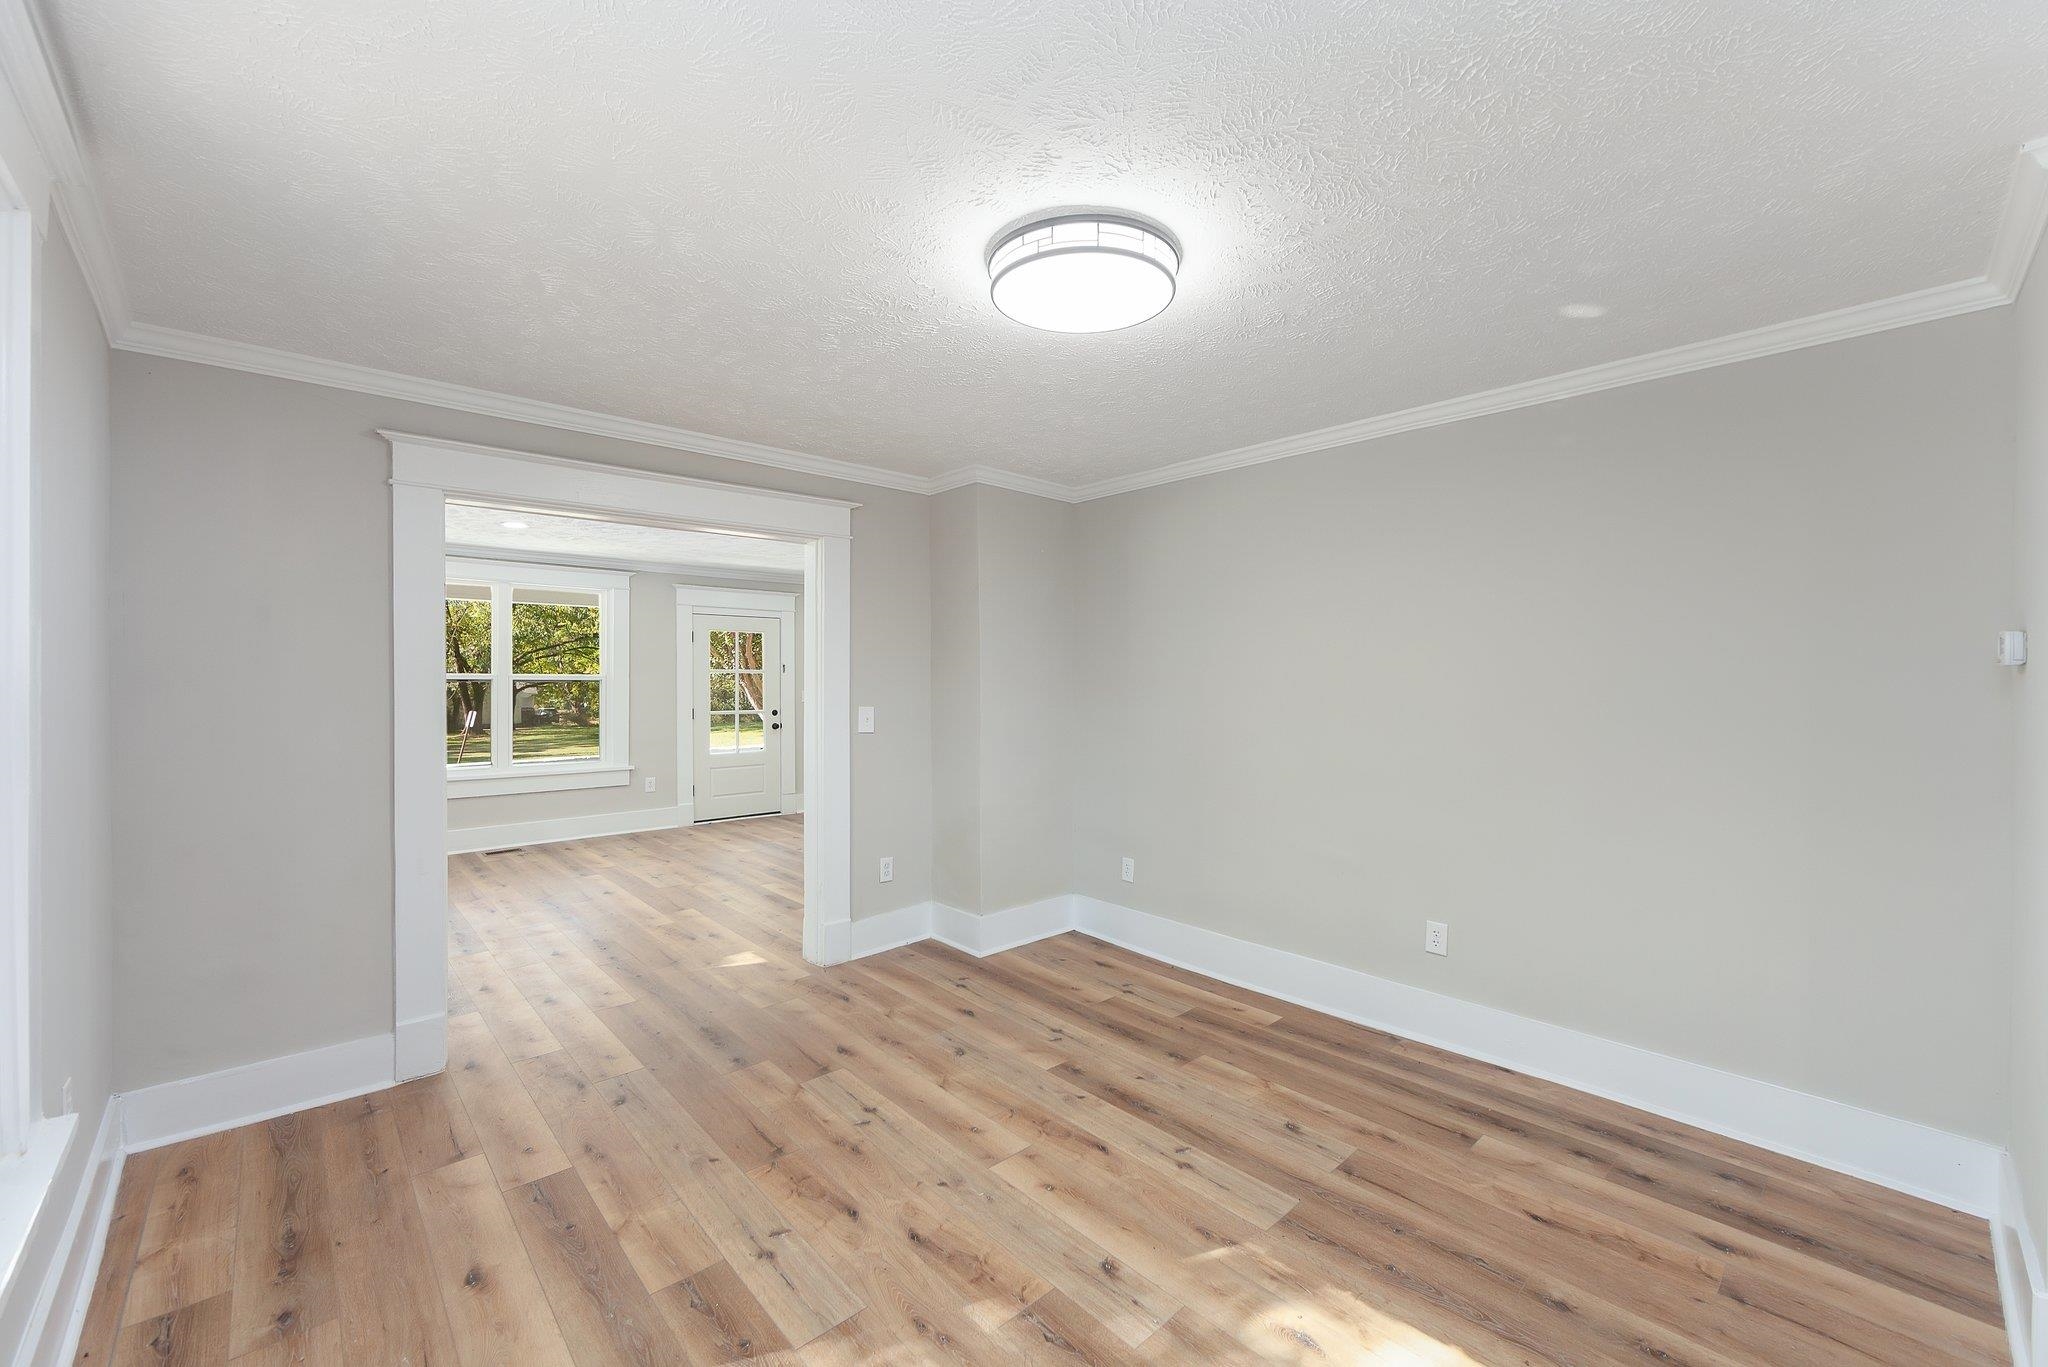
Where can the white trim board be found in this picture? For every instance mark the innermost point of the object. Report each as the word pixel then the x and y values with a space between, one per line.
pixel 50 1337
pixel 1919 1160
pixel 2021 1287
pixel 980 934
pixel 1921 306
pixel 212 1102
pixel 515 834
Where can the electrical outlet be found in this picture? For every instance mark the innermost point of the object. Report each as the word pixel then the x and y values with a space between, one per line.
pixel 888 868
pixel 865 722
pixel 1436 937
pixel 649 786
pixel 1130 869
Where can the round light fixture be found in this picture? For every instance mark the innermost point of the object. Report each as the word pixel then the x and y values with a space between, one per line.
pixel 1083 272
pixel 515 525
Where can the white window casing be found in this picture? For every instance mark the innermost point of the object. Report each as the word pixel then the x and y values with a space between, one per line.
pixel 503 774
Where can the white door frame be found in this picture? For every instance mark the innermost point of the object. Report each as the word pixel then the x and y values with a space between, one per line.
pixel 425 473
pixel 20 699
pixel 694 598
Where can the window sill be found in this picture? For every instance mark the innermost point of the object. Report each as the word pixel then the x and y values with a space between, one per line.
pixel 550 780
pixel 25 1181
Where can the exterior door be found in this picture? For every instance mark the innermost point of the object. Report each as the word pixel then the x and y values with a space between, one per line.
pixel 738 721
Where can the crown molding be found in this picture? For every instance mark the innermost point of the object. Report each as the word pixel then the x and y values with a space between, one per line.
pixel 2014 246
pixel 25 61
pixel 1923 306
pixel 290 365
pixel 1000 479
pixel 2019 227
pixel 24 58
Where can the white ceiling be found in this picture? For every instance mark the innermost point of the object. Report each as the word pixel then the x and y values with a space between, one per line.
pixel 582 538
pixel 767 221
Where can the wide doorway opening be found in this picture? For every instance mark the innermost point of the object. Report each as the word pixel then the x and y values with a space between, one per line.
pixel 633 678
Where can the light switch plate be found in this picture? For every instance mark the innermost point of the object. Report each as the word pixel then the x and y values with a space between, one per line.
pixel 867 719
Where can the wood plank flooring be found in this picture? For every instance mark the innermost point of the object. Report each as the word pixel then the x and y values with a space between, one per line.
pixel 664 1138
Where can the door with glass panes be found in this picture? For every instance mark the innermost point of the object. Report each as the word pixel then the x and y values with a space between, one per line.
pixel 737 717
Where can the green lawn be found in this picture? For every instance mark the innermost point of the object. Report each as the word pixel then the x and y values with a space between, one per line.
pixel 564 741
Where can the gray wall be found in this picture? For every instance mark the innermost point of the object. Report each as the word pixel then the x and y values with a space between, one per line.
pixel 69 451
pixel 1036 703
pixel 1004 685
pixel 956 698
pixel 1675 701
pixel 655 721
pixel 253 874
pixel 2029 1134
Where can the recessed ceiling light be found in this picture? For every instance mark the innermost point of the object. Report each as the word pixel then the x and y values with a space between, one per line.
pixel 513 524
pixel 1583 311
pixel 1083 272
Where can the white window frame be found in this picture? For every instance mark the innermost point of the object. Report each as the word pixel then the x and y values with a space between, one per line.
pixel 19 697
pixel 613 767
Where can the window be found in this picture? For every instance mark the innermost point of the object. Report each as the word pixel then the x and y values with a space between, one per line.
pixel 536 668
pixel 734 675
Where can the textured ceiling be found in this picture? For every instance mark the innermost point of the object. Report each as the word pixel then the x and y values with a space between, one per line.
pixel 767 221
pixel 552 534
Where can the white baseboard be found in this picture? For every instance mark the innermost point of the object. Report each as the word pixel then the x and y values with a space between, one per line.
pixel 470 839
pixel 1906 1156
pixel 835 941
pixel 422 1046
pixel 978 934
pixel 2020 1284
pixel 193 1106
pixel 792 803
pixel 57 1316
pixel 992 932
pixel 1901 1154
pixel 889 929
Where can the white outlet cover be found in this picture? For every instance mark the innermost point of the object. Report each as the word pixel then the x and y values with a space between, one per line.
pixel 1436 937
pixel 1130 870
pixel 867 719
pixel 888 868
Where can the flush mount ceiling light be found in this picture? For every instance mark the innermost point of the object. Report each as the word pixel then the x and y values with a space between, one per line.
pixel 1083 272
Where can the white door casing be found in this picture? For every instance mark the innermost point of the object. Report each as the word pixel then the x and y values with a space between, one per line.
pixel 425 473
pixel 738 723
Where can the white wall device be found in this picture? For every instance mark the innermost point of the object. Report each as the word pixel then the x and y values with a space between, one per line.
pixel 2012 647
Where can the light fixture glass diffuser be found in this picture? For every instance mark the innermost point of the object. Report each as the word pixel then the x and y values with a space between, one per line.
pixel 1083 273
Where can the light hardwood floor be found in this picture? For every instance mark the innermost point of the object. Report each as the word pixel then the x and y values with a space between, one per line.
pixel 663 1138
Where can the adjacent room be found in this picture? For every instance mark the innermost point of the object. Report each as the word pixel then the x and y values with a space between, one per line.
pixel 666 700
